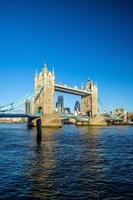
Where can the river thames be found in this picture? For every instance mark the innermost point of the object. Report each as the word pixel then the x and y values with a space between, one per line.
pixel 80 163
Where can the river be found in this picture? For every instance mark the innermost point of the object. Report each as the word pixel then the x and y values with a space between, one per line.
pixel 71 163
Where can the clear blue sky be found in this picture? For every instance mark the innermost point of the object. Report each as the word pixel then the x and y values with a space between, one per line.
pixel 81 39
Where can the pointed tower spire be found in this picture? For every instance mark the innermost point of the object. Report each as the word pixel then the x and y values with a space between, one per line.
pixel 45 69
pixel 53 70
pixel 82 86
pixel 44 65
pixel 88 79
pixel 36 74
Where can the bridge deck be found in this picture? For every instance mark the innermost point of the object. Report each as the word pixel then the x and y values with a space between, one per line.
pixel 12 115
pixel 71 90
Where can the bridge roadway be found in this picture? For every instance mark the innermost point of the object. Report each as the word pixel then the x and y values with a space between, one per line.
pixel 79 118
pixel 72 116
pixel 71 90
pixel 13 115
pixel 22 115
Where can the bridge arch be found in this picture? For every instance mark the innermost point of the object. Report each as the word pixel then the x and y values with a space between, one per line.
pixel 40 110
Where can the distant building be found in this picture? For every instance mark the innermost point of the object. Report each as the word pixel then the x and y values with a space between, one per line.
pixel 77 110
pixel 130 117
pixel 60 104
pixel 29 106
pixel 67 110
pixel 121 112
pixel 32 108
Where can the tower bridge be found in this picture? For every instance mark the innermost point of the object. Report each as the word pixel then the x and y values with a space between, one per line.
pixel 45 100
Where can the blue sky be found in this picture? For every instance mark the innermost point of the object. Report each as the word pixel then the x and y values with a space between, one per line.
pixel 80 38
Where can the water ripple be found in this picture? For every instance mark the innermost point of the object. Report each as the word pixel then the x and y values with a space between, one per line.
pixel 72 163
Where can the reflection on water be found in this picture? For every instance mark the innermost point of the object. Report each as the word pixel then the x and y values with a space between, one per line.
pixel 70 163
pixel 41 168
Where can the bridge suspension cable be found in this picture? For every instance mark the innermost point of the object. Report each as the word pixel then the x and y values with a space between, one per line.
pixel 110 114
pixel 17 103
pixel 11 106
pixel 38 94
pixel 104 108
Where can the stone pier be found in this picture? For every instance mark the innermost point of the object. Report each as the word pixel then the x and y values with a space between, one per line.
pixel 97 121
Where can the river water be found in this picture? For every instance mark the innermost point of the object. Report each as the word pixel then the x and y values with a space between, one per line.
pixel 80 163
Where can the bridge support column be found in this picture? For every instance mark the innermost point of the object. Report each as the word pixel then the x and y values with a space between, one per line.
pixel 39 130
pixel 52 120
pixel 86 105
pixel 30 123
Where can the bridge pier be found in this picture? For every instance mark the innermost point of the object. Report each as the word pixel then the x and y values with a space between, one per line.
pixel 51 120
pixel 39 130
pixel 97 121
pixel 30 122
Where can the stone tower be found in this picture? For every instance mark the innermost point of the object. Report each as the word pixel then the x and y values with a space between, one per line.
pixel 89 104
pixel 44 91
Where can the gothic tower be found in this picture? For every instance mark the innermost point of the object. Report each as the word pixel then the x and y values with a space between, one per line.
pixel 44 91
pixel 89 104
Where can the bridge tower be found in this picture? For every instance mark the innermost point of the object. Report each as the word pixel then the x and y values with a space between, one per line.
pixel 89 103
pixel 44 89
